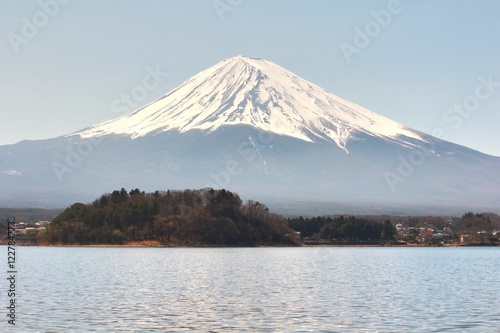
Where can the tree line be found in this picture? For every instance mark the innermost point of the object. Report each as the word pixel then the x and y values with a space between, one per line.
pixel 205 217
pixel 473 223
pixel 342 228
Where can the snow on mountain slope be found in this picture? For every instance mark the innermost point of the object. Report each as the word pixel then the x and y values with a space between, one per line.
pixel 258 93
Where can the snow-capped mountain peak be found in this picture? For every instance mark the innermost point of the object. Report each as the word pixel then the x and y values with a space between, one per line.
pixel 205 133
pixel 258 93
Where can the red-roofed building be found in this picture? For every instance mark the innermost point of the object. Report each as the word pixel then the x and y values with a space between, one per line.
pixel 425 236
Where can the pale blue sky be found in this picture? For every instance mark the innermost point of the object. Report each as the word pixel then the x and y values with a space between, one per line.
pixel 430 56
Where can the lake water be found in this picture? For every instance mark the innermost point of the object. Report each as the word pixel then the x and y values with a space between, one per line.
pixel 255 290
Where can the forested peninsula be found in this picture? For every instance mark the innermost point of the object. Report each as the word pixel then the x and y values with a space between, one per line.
pixel 205 217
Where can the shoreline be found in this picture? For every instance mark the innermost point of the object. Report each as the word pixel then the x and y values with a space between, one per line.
pixel 153 244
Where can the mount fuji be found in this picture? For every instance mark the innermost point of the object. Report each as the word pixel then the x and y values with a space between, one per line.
pixel 256 93
pixel 251 126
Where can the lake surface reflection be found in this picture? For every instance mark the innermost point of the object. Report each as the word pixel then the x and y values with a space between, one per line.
pixel 256 289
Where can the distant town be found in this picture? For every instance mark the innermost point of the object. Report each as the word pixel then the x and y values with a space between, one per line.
pixel 468 230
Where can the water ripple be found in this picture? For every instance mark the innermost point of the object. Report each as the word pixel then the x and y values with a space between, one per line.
pixel 258 290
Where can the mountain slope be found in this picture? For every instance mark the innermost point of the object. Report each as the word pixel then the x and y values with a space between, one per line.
pixel 258 93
